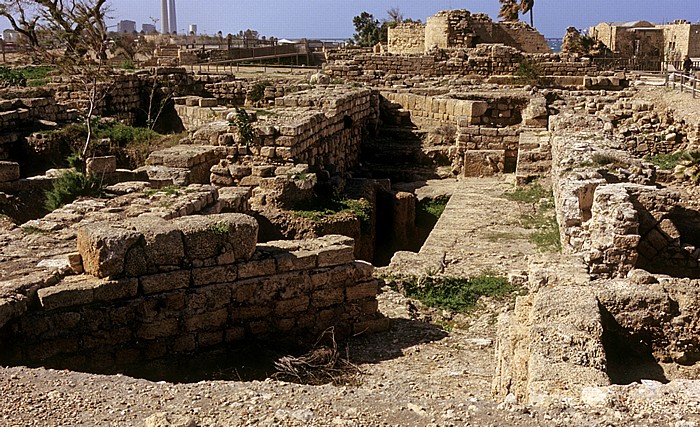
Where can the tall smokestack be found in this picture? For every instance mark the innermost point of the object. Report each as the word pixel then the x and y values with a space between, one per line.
pixel 164 21
pixel 173 18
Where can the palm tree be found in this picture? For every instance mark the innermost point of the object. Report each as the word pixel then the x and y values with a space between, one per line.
pixel 509 10
pixel 525 7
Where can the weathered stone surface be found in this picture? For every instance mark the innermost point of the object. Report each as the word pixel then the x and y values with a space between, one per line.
pixel 72 291
pixel 101 165
pixel 104 248
pixel 9 171
pixel 209 236
pixel 165 282
pixel 551 347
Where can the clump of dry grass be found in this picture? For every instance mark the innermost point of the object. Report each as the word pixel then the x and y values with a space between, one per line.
pixel 323 364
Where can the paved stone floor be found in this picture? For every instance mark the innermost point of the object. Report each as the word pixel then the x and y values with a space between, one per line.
pixel 479 230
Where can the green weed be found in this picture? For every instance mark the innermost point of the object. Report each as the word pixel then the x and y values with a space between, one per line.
pixel 318 209
pixel 220 228
pixel 665 161
pixel 428 211
pixel 457 294
pixel 69 186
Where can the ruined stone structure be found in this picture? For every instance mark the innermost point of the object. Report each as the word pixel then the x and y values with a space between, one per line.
pixel 153 286
pixel 459 29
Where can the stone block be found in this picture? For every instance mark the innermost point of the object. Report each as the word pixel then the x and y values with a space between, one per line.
pixel 163 241
pixel 207 321
pixel 103 248
pixel 72 291
pixel 159 329
pixel 9 171
pixel 258 268
pixel 209 236
pixel 165 282
pixel 211 275
pixel 362 290
pixel 208 102
pixel 327 297
pixel 251 312
pixel 101 165
pixel 294 305
pixel 335 255
pixel 110 290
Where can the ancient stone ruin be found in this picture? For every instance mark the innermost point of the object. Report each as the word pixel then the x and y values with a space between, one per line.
pixel 284 206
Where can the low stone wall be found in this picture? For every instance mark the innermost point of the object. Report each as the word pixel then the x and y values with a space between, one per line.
pixel 322 128
pixel 154 287
pixel 610 212
pixel 483 60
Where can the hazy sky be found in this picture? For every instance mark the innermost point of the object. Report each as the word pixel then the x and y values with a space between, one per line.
pixel 333 18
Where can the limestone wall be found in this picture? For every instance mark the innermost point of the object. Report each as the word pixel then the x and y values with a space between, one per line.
pixel 322 128
pixel 610 212
pixel 682 38
pixel 153 287
pixel 483 60
pixel 407 39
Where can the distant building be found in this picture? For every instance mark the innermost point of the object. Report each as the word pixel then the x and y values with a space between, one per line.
pixel 148 28
pixel 126 26
pixel 193 29
pixel 681 38
pixel 644 39
pixel 10 36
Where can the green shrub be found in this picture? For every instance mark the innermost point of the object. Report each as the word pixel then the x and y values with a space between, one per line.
pixel 220 228
pixel 69 186
pixel 127 64
pixel 665 161
pixel 456 293
pixel 529 73
pixel 243 121
pixel 257 91
pixel 11 77
pixel 318 209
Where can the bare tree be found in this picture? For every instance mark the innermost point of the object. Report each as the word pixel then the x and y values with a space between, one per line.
pixel 70 34
pixel 395 14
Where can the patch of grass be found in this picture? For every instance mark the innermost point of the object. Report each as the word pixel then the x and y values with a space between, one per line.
pixel 457 294
pixel 494 236
pixel 665 161
pixel 608 160
pixel 36 73
pixel 69 186
pixel 541 217
pixel 30 229
pixel 531 193
pixel 261 113
pixel 220 228
pixel 428 211
pixel 318 209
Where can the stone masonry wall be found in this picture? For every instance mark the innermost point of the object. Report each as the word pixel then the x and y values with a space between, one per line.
pixel 322 127
pixel 407 39
pixel 153 287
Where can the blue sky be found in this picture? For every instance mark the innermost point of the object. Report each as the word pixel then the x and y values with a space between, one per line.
pixel 333 18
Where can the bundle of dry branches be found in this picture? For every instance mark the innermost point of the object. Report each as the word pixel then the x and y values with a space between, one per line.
pixel 321 365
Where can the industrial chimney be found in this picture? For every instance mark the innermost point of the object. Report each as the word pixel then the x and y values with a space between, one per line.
pixel 168 18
